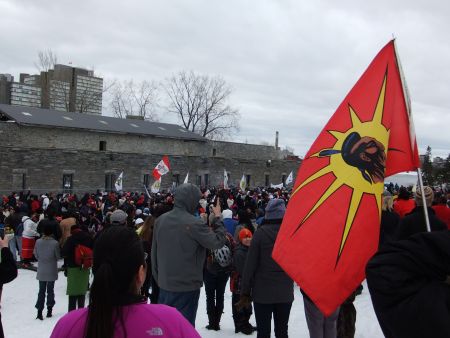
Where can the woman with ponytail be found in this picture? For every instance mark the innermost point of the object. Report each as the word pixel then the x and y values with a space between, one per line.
pixel 116 307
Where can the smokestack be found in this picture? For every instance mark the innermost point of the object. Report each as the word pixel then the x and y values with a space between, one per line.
pixel 276 140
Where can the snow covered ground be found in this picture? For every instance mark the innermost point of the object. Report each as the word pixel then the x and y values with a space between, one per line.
pixel 19 298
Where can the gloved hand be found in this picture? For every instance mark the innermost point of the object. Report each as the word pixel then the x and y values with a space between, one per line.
pixel 245 301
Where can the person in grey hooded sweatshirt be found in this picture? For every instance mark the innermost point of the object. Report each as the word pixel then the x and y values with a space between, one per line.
pixel 180 241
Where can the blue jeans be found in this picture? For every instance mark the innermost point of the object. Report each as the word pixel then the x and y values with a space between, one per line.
pixel 185 302
pixel 15 244
pixel 263 317
pixel 43 286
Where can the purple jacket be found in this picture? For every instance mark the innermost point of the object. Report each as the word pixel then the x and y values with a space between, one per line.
pixel 141 320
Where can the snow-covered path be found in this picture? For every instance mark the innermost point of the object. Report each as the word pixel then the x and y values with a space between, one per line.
pixel 19 297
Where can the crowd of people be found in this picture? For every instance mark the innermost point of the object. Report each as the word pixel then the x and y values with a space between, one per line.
pixel 176 242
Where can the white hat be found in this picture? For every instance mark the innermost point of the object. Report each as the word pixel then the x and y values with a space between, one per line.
pixel 227 213
pixel 138 221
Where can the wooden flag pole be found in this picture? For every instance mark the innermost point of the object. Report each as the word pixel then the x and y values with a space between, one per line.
pixel 424 201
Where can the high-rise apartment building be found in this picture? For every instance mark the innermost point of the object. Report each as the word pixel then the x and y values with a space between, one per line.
pixel 63 88
pixel 19 93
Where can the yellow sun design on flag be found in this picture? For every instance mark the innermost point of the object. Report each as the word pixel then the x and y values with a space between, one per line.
pixel 344 164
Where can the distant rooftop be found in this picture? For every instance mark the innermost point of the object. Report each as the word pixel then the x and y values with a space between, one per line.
pixel 28 116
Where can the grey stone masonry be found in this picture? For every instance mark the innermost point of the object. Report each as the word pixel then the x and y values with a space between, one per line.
pixel 37 158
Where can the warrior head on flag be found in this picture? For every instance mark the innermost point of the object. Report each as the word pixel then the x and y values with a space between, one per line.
pixel 331 226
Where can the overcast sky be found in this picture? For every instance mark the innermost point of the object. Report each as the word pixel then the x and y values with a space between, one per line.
pixel 290 63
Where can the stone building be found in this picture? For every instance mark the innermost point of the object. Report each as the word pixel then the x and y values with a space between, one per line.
pixel 44 150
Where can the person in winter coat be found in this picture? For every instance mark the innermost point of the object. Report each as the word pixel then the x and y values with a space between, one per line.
pixel 77 276
pixel 217 271
pixel 228 221
pixel 179 248
pixel 389 220
pixel 116 308
pixel 29 236
pixel 442 210
pixel 242 316
pixel 414 222
pixel 270 287
pixel 8 269
pixel 408 282
pixel 404 204
pixel 47 254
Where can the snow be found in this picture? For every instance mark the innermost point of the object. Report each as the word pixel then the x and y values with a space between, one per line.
pixel 19 297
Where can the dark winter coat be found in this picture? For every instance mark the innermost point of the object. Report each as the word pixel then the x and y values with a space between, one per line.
pixel 239 258
pixel 414 223
pixel 406 281
pixel 388 226
pixel 263 278
pixel 77 277
pixel 180 241
pixel 68 250
pixel 8 268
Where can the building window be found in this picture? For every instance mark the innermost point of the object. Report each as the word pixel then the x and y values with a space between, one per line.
pixel 102 146
pixel 267 180
pixel 248 180
pixel 206 180
pixel 176 179
pixel 283 178
pixel 146 180
pixel 67 183
pixel 214 152
pixel 198 180
pixel 109 182
pixel 19 181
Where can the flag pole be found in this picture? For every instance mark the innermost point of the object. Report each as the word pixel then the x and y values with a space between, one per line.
pixel 412 133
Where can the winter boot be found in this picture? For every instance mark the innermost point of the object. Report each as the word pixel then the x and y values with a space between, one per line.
pixel 217 322
pixel 212 321
pixel 49 312
pixel 39 315
pixel 247 329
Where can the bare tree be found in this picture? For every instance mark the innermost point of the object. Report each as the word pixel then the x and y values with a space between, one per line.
pixel 139 99
pixel 47 60
pixel 200 102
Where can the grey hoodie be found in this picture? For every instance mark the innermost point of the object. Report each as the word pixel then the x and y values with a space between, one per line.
pixel 180 241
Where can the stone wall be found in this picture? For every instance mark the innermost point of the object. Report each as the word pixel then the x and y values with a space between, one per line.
pixel 43 169
pixel 37 159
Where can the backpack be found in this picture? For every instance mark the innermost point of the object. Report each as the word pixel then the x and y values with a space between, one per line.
pixel 83 256
pixel 224 255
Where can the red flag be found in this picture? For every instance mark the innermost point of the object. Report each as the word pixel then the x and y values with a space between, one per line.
pixel 331 226
pixel 161 168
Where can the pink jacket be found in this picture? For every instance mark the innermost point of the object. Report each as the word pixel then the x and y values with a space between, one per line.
pixel 141 320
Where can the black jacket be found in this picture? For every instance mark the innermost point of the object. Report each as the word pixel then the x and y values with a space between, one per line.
pixel 68 250
pixel 8 268
pixel 263 278
pixel 388 226
pixel 406 281
pixel 414 222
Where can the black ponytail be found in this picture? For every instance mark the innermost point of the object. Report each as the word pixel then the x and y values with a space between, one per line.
pixel 118 255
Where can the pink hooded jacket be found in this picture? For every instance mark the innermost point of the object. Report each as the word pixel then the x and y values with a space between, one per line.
pixel 141 320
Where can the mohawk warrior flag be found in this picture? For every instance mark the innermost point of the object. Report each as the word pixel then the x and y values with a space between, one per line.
pixel 331 226
pixel 161 168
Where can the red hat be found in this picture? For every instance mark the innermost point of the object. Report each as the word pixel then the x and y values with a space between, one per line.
pixel 245 233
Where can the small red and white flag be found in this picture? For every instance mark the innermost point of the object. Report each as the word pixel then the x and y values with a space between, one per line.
pixel 162 168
